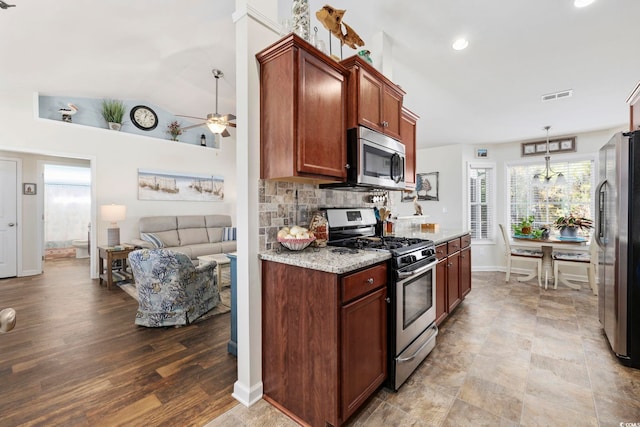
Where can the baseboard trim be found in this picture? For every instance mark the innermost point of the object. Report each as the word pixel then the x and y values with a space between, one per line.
pixel 247 396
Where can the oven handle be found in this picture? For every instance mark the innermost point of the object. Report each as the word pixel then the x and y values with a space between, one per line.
pixel 417 352
pixel 405 274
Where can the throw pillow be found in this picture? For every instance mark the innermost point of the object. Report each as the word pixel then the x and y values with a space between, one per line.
pixel 153 239
pixel 228 233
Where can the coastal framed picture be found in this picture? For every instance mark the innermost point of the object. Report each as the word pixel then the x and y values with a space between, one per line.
pixel 427 187
pixel 173 186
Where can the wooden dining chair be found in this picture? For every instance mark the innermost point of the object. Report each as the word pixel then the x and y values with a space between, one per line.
pixel 577 259
pixel 521 254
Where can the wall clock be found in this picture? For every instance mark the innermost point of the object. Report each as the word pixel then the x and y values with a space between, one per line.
pixel 144 117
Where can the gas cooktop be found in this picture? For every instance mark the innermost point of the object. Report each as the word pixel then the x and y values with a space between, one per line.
pixel 396 245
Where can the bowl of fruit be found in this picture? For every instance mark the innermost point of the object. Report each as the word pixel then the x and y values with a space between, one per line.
pixel 295 238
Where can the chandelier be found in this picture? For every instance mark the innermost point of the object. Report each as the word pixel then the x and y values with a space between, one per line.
pixel 548 174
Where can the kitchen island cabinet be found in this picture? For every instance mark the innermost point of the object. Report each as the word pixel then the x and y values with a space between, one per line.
pixel 303 98
pixel 324 340
pixel 373 101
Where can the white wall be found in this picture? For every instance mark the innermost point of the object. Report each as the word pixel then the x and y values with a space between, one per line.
pixel 451 162
pixel 116 158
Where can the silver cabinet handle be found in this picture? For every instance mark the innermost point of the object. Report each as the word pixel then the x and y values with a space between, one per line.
pixel 11 224
pixel 370 280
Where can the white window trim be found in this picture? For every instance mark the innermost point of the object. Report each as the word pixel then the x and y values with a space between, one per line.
pixel 492 200
pixel 540 160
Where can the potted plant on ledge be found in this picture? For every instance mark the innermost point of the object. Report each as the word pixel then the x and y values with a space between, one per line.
pixel 113 112
pixel 569 225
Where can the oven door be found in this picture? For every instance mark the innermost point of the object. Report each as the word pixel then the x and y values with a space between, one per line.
pixel 415 292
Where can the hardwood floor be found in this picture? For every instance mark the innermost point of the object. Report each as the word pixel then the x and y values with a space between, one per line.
pixel 76 358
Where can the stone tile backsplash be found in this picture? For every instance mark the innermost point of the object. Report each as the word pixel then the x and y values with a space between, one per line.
pixel 290 203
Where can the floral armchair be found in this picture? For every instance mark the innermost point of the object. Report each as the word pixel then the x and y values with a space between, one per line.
pixel 171 290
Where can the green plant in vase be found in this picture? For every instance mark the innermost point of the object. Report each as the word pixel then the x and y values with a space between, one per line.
pixel 113 112
pixel 569 225
pixel 525 226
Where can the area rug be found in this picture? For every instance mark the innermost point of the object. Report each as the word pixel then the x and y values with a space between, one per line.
pixel 223 306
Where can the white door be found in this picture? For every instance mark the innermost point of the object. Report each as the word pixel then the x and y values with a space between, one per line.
pixel 8 216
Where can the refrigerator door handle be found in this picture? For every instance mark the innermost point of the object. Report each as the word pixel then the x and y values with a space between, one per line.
pixel 599 232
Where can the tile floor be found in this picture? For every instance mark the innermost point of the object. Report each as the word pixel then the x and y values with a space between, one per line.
pixel 512 354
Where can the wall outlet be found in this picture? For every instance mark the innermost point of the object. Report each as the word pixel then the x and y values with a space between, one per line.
pixel 445 210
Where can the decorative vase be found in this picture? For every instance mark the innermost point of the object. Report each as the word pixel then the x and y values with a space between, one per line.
pixel 300 21
pixel 569 231
pixel 114 126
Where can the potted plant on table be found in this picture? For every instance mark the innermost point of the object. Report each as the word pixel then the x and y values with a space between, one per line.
pixel 113 112
pixel 525 226
pixel 569 225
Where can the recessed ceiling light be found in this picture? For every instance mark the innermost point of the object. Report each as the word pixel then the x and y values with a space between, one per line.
pixel 582 3
pixel 460 44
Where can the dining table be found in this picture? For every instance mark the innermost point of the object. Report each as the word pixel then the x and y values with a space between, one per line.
pixel 566 244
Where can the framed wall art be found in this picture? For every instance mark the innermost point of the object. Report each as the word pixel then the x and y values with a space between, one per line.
pixel 30 189
pixel 482 153
pixel 427 186
pixel 539 148
pixel 172 186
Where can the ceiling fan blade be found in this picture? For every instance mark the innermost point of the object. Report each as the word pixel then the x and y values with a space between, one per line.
pixel 194 126
pixel 229 117
pixel 231 124
pixel 191 117
pixel 225 133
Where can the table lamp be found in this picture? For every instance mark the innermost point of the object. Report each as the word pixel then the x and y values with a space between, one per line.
pixel 113 214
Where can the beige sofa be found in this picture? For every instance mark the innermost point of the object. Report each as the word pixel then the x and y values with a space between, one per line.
pixel 193 235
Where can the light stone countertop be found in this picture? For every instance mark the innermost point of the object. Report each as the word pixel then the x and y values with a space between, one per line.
pixel 443 235
pixel 323 259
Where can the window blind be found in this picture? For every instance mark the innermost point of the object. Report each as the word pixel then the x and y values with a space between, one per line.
pixel 548 202
pixel 481 187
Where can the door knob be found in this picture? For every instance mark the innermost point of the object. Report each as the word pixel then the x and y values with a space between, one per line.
pixel 11 224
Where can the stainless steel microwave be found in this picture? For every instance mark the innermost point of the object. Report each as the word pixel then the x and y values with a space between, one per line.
pixel 374 160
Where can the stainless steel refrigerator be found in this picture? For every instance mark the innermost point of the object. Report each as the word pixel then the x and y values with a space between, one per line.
pixel 618 239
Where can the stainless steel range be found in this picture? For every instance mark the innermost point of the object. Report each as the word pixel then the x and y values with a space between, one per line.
pixel 411 287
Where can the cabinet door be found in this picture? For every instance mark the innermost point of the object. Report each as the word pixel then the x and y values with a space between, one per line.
pixel 391 111
pixel 441 291
pixel 453 281
pixel 364 349
pixel 465 271
pixel 408 138
pixel 370 101
pixel 322 119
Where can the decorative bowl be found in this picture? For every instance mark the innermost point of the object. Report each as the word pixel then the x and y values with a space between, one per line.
pixel 296 244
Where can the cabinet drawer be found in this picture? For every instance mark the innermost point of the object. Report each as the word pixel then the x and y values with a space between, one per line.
pixel 364 281
pixel 441 251
pixel 453 246
pixel 465 241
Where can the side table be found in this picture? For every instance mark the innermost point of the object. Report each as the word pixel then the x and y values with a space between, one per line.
pixel 111 254
pixel 220 259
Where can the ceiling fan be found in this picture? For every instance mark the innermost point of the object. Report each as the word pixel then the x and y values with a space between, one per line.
pixel 215 122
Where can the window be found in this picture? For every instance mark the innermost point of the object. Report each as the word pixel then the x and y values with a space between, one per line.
pixel 481 187
pixel 546 203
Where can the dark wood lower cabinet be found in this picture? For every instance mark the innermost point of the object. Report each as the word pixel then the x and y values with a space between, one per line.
pixel 324 340
pixel 453 275
pixel 465 271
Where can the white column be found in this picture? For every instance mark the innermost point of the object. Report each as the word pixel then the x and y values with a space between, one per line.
pixel 255 27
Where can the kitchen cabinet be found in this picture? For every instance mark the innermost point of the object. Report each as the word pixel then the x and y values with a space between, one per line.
pixel 325 346
pixel 453 275
pixel 374 101
pixel 303 118
pixel 408 123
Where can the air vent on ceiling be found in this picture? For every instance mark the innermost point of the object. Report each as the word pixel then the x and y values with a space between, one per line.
pixel 557 95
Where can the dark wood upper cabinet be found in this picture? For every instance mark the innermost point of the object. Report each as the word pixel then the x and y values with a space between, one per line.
pixel 303 98
pixel 408 126
pixel 374 101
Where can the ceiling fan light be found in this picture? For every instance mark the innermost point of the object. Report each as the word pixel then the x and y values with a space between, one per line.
pixel 582 3
pixel 216 127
